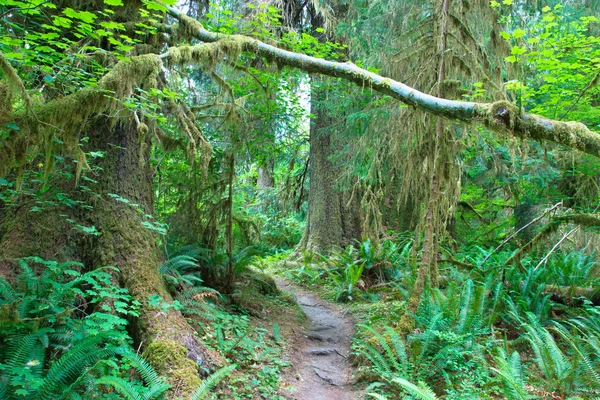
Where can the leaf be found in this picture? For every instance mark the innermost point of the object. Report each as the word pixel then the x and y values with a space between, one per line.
pixel 505 35
pixel 518 33
pixel 517 50
pixel 113 2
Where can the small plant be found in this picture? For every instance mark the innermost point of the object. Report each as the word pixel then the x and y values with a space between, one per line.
pixel 51 345
pixel 178 273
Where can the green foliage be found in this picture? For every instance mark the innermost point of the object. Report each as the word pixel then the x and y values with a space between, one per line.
pixel 52 348
pixel 152 387
pixel 203 390
pixel 177 272
pixel 251 348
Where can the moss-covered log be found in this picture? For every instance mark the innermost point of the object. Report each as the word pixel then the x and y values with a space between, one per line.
pixel 501 116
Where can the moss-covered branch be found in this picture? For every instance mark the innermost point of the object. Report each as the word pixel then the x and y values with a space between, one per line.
pixel 501 116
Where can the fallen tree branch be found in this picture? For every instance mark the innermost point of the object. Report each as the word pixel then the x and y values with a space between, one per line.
pixel 509 238
pixel 582 220
pixel 501 116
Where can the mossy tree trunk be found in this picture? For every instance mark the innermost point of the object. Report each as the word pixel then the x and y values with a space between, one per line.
pixel 169 342
pixel 125 243
pixel 428 266
pixel 333 215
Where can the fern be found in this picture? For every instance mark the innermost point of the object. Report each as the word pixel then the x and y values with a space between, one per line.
pixel 177 274
pixel 395 359
pixel 511 372
pixel 154 387
pixel 211 382
pixel 122 386
pixel 422 390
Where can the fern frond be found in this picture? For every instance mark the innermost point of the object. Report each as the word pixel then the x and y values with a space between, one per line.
pixel 148 374
pixel 211 382
pixel 75 360
pixel 377 396
pixel 391 356
pixel 122 386
pixel 155 391
pixel 422 390
pixel 7 293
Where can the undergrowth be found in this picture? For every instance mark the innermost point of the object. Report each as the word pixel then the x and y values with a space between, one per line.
pixel 486 332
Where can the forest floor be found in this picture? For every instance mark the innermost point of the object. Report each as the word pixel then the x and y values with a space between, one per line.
pixel 319 353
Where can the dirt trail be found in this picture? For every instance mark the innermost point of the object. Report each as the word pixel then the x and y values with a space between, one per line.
pixel 320 369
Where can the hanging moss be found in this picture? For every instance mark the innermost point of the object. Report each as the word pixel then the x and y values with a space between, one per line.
pixel 13 82
pixel 207 55
pixel 64 118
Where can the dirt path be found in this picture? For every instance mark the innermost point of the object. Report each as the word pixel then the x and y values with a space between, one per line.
pixel 320 370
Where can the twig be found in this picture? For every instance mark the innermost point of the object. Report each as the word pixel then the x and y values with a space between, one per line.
pixel 508 239
pixel 336 350
pixel 545 259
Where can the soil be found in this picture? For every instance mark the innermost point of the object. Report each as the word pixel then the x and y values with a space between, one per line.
pixel 319 353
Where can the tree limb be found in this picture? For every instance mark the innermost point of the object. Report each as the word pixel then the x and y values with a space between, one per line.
pixel 500 116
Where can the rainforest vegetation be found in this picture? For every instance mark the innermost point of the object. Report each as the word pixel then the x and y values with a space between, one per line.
pixel 175 174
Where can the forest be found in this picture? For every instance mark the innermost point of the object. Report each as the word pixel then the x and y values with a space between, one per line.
pixel 299 199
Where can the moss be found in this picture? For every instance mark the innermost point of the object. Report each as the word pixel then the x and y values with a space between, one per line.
pixel 252 290
pixel 170 359
pixel 64 117
pixel 14 82
pixel 263 282
pixel 498 115
pixel 207 55
pixel 249 299
pixel 583 220
pixel 572 134
pixel 188 26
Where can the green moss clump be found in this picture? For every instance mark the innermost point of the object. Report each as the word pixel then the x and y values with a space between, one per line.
pixel 170 359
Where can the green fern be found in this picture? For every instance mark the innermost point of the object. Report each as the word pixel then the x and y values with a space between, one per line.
pixel 393 360
pixel 177 272
pixel 510 371
pixel 211 381
pixel 422 390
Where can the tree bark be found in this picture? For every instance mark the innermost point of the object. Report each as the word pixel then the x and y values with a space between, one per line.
pixel 333 215
pixel 266 180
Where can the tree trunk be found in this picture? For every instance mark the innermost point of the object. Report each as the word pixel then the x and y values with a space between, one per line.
pixel 266 179
pixel 169 342
pixel 333 215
